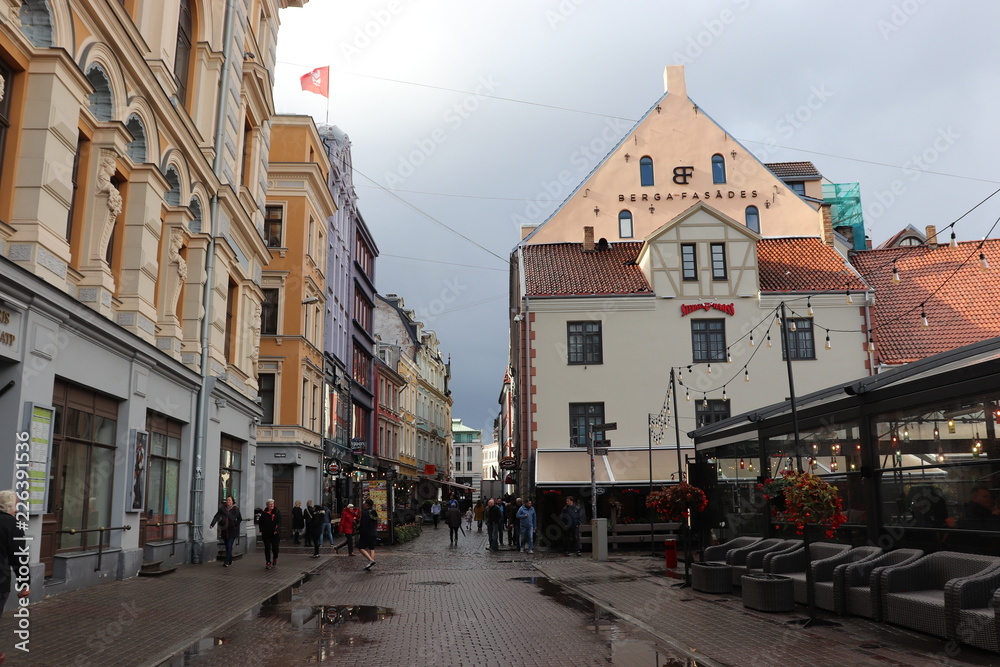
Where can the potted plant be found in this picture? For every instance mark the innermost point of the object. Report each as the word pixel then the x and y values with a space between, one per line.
pixel 677 501
pixel 808 500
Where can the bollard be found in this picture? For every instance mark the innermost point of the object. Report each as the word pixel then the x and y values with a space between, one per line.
pixel 670 553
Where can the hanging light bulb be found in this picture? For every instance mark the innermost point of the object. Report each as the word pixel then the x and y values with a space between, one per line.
pixel 769 338
pixel 724 397
pixel 746 375
pixel 777 318
pixel 751 339
pixel 977 449
pixel 750 465
pixel 895 273
pixel 809 306
pixel 710 368
pixel 923 317
pixel 729 356
pixel 833 464
pixel 951 426
pixel 871 344
pixel 687 395
pixel 954 241
pixel 829 345
pixel 849 300
pixel 791 325
pixel 680 375
pixel 742 464
pixel 704 401
pixel 983 264
pixel 940 455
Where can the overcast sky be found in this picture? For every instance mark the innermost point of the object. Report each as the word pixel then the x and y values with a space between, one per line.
pixel 899 96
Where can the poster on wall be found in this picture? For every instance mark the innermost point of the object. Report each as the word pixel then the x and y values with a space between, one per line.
pixel 137 465
pixel 39 446
pixel 376 490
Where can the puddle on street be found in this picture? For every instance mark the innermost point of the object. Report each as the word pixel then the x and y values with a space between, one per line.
pixel 340 627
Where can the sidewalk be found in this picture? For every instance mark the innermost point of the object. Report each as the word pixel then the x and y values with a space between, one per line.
pixel 718 630
pixel 145 620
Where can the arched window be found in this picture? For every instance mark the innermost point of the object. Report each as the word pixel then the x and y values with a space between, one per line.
pixel 101 104
pixel 173 195
pixel 195 208
pixel 36 23
pixel 718 169
pixel 182 55
pixel 646 171
pixel 625 224
pixel 753 218
pixel 136 147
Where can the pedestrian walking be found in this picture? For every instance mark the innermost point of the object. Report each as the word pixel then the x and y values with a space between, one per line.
pixel 298 522
pixel 269 525
pixel 513 525
pixel 315 528
pixel 229 519
pixel 348 518
pixel 571 518
pixel 494 519
pixel 10 561
pixel 327 532
pixel 468 519
pixel 528 523
pixel 368 532
pixel 436 513
pixel 307 517
pixel 503 520
pixel 478 513
pixel 453 517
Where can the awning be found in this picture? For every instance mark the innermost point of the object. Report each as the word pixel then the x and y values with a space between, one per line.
pixel 571 467
pixel 461 487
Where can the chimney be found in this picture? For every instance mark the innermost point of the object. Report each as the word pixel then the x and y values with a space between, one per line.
pixel 827 225
pixel 588 239
pixel 932 239
pixel 673 80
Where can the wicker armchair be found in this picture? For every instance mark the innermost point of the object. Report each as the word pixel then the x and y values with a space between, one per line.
pixel 823 573
pixel 718 553
pixel 857 587
pixel 969 609
pixel 914 595
pixel 756 559
pixel 738 557
pixel 793 564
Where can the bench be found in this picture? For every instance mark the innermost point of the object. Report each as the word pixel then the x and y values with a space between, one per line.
pixel 633 533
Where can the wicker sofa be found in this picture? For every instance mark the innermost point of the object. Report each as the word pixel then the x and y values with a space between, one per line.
pixel 824 573
pixel 793 564
pixel 857 587
pixel 737 558
pixel 758 561
pixel 914 595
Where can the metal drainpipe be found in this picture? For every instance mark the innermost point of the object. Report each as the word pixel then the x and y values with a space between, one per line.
pixel 868 326
pixel 204 390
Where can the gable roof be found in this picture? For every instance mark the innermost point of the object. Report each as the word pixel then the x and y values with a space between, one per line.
pixel 962 302
pixel 803 264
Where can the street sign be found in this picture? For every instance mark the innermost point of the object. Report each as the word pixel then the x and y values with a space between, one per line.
pixel 610 426
pixel 602 443
pixel 600 452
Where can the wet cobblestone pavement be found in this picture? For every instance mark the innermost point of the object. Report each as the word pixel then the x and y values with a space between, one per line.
pixel 429 603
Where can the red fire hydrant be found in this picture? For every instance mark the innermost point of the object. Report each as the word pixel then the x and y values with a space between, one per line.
pixel 670 553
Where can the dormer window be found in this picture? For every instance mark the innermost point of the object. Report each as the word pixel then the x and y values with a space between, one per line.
pixel 798 187
pixel 718 169
pixel 646 171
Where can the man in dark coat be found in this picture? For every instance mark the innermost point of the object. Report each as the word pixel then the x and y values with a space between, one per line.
pixel 314 527
pixel 453 517
pixel 571 518
pixel 229 519
pixel 494 523
pixel 368 532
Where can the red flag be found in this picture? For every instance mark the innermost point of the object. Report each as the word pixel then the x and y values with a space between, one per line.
pixel 317 81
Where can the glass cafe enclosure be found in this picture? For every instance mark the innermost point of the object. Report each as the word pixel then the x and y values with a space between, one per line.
pixel 913 452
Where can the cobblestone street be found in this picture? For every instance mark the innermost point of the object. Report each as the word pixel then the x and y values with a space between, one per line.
pixel 428 603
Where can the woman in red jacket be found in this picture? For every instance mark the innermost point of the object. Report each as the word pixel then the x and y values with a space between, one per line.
pixel 347 519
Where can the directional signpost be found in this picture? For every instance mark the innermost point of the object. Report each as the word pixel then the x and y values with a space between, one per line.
pixel 592 445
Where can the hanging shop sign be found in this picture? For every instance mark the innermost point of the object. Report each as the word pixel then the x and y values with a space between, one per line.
pixel 727 308
pixel 358 445
pixel 508 463
pixel 333 467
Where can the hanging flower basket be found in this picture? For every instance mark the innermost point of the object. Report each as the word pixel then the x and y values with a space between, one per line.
pixel 808 500
pixel 677 502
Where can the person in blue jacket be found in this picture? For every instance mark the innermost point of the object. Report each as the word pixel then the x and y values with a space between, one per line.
pixel 528 522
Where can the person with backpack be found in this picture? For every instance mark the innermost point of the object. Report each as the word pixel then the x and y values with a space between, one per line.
pixel 269 525
pixel 229 518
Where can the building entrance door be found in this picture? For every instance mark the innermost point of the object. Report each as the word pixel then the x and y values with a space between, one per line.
pixel 281 491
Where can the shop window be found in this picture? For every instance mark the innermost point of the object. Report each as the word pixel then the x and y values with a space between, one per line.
pixel 646 170
pixel 163 475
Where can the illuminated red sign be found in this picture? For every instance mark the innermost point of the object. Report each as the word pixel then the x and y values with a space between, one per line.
pixel 727 308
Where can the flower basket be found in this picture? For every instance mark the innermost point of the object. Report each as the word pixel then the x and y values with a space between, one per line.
pixel 677 502
pixel 803 499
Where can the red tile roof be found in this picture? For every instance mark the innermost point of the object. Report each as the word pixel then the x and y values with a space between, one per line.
pixel 804 170
pixel 563 269
pixel 803 264
pixel 961 300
